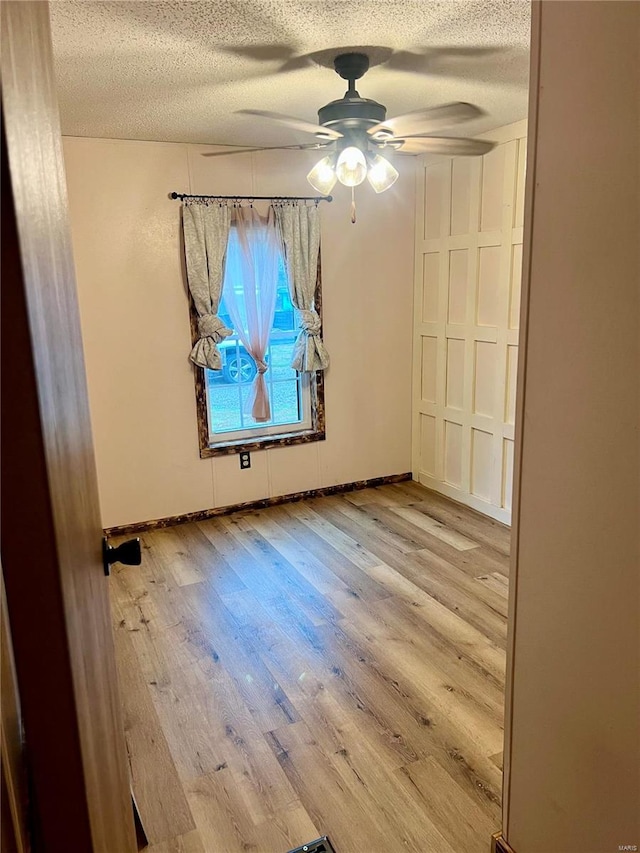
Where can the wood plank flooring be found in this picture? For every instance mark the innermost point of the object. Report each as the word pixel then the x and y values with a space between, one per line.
pixel 334 666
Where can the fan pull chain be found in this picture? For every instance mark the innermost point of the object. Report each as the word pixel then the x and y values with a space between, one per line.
pixel 353 206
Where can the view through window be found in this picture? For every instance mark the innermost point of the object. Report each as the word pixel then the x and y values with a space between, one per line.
pixel 229 391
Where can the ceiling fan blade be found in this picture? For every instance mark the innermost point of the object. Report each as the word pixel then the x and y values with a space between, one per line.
pixel 284 54
pixel 296 63
pixel 261 52
pixel 312 146
pixel 423 61
pixel 294 123
pixel 453 147
pixel 428 119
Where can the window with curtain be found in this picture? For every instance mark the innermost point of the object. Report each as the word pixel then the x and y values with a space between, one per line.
pixel 258 384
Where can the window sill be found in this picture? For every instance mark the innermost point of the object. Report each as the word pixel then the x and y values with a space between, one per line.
pixel 246 445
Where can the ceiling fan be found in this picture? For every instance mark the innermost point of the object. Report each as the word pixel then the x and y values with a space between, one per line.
pixel 355 130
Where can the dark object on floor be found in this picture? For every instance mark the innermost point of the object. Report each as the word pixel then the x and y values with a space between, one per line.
pixel 320 845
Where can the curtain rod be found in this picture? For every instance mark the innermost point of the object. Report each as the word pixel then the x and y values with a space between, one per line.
pixel 316 198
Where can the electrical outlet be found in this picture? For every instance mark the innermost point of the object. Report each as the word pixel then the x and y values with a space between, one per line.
pixel 245 460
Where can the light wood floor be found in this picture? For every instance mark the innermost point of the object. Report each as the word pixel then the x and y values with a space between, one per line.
pixel 334 666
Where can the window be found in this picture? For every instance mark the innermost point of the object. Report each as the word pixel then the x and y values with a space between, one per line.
pixel 224 397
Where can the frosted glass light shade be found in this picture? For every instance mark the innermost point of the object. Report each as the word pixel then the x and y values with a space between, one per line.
pixel 322 177
pixel 381 174
pixel 351 167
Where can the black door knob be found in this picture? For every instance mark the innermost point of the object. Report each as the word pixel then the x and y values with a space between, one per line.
pixel 128 552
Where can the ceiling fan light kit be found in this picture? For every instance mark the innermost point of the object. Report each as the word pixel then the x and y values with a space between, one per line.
pixel 323 177
pixel 381 174
pixel 351 168
pixel 356 130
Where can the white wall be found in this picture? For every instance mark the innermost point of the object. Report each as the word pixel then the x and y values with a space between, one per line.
pixel 469 217
pixel 136 333
pixel 572 750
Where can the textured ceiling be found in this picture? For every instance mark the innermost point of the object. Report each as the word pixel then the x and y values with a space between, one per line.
pixel 177 71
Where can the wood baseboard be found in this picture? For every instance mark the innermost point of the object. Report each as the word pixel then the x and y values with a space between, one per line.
pixel 499 845
pixel 204 514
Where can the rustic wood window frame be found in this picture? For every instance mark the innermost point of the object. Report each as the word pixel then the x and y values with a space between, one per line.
pixel 224 448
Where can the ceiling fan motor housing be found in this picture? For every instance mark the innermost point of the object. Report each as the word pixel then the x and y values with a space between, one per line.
pixel 351 113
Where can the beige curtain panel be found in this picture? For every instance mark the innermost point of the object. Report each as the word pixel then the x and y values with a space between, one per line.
pixel 299 229
pixel 206 231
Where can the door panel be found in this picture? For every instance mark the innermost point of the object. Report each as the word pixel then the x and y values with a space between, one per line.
pixel 51 531
pixel 14 834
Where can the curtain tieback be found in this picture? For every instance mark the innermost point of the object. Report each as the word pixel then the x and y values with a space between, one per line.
pixel 261 365
pixel 310 321
pixel 211 326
